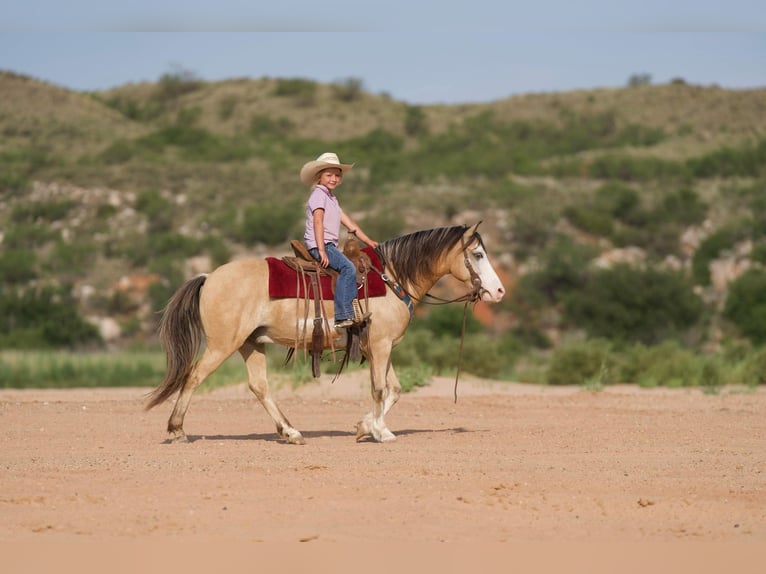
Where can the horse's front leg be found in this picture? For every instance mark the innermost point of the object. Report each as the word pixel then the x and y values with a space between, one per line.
pixel 255 359
pixel 385 390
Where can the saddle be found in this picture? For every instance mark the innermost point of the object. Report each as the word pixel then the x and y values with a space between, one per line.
pixel 304 262
pixel 309 268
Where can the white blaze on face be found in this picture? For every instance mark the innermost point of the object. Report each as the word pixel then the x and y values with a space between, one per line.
pixel 492 289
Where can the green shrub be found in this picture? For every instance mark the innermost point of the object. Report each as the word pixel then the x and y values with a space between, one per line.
pixel 618 200
pixel 746 304
pixel 634 305
pixel 580 362
pixel 176 83
pixel 415 121
pixel 447 320
pixel 564 268
pixel 43 318
pixel 711 247
pixel 27 236
pixel 304 91
pixel 70 259
pixel 266 126
pixel 269 222
pixel 668 364
pixel 157 209
pixel 590 220
pixel 386 225
pixel 133 109
pixel 683 206
pixel 348 90
pixel 48 211
pixel 17 266
pixel 754 368
pixel 747 160
pixel 13 183
pixel 633 168
pixel 226 107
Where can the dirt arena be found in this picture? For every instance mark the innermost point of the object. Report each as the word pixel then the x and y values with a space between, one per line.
pixel 507 463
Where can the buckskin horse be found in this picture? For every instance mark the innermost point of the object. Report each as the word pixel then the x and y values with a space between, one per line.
pixel 231 310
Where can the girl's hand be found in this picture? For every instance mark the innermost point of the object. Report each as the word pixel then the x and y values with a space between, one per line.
pixel 324 261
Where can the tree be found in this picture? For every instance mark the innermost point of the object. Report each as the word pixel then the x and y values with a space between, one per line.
pixel 746 304
pixel 629 304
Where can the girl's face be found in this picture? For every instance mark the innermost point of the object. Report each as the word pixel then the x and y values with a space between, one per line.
pixel 331 177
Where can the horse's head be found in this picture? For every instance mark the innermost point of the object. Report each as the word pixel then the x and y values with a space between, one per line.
pixel 472 266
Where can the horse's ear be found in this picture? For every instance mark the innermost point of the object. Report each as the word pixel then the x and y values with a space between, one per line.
pixel 473 230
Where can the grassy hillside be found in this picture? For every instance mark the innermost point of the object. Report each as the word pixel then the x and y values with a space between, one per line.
pixel 109 200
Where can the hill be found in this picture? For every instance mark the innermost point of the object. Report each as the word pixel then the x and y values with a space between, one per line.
pixel 119 195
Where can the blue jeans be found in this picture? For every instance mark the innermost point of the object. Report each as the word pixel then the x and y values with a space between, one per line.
pixel 345 289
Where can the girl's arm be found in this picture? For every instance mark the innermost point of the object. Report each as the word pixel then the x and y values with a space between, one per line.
pixel 355 229
pixel 318 215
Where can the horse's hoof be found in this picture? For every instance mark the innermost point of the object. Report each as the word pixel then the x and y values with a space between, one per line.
pixel 387 436
pixel 383 435
pixel 361 431
pixel 179 439
pixel 296 438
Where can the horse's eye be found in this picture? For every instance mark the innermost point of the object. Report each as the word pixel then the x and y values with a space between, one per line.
pixel 478 255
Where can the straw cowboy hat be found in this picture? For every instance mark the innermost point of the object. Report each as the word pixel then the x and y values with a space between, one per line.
pixel 310 169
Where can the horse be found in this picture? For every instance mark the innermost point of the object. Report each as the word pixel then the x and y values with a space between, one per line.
pixel 230 310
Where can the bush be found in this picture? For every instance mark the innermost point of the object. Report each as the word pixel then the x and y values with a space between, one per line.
pixel 564 269
pixel 711 247
pixel 590 220
pixel 580 363
pixel 632 168
pixel 387 225
pixel 746 305
pixel 176 83
pixel 266 126
pixel 745 161
pixel 447 320
pixel 17 267
pixel 634 305
pixel 667 364
pixel 348 90
pixel 46 211
pixel 269 222
pixel 683 207
pixel 43 318
pixel 618 200
pixel 70 259
pixel 415 121
pixel 157 210
pixel 304 91
pixel 27 236
pixel 754 371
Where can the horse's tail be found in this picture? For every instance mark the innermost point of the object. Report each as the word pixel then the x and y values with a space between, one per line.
pixel 181 334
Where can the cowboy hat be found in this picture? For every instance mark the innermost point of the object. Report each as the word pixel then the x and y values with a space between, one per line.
pixel 310 169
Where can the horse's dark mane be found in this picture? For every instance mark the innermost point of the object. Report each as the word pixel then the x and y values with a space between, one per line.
pixel 411 257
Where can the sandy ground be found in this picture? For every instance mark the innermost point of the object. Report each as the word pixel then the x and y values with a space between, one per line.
pixel 507 463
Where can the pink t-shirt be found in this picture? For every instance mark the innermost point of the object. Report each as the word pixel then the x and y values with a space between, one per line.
pixel 321 198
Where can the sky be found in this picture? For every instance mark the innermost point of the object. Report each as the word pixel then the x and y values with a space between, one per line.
pixel 419 52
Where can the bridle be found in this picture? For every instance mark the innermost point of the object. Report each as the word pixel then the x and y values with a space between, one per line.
pixel 473 296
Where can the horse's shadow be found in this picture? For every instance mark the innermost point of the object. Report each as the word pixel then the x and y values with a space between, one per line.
pixel 315 434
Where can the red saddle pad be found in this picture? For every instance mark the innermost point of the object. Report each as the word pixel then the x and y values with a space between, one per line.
pixel 284 281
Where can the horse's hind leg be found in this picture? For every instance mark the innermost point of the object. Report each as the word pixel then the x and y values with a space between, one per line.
pixel 255 359
pixel 211 359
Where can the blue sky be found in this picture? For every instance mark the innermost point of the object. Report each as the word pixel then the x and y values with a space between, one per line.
pixel 418 52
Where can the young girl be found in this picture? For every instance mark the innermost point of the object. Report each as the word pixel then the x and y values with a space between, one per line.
pixel 323 219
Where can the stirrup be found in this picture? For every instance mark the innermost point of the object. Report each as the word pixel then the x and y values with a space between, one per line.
pixel 359 317
pixel 344 323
